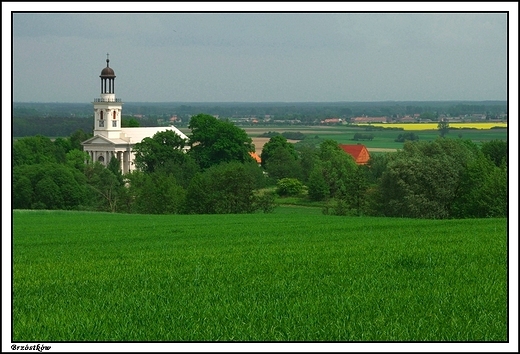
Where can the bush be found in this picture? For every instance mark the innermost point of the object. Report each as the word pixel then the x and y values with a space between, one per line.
pixel 289 187
pixel 360 136
pixel 226 188
pixel 294 135
pixel 265 202
pixel 406 136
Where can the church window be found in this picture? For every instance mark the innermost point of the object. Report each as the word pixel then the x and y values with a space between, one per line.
pixel 114 123
pixel 101 115
pixel 114 114
pixel 101 123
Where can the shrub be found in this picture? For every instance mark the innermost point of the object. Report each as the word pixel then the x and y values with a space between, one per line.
pixel 265 202
pixel 401 138
pixel 289 187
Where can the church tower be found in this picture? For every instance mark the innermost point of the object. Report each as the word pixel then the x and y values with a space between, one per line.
pixel 107 108
pixel 110 140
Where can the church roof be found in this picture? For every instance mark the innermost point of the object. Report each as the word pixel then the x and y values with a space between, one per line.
pixel 101 140
pixel 138 134
pixel 107 72
pixel 132 136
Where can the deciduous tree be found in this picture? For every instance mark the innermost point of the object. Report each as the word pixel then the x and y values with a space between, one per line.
pixel 227 188
pixel 164 147
pixel 214 141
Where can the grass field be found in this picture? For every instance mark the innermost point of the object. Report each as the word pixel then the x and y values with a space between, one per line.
pixel 294 275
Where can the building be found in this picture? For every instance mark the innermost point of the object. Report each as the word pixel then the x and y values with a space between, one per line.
pixel 359 152
pixel 369 120
pixel 331 121
pixel 110 139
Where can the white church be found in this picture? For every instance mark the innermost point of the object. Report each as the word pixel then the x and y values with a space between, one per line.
pixel 110 139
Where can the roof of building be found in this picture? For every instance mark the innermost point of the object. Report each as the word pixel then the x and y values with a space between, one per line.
pixel 107 72
pixel 359 152
pixel 136 135
pixel 255 156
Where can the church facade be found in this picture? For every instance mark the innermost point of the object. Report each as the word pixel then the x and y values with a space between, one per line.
pixel 110 139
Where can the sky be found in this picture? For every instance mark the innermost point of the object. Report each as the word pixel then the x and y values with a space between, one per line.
pixel 260 57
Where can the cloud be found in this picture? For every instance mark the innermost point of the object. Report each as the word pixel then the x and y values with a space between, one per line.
pixel 262 56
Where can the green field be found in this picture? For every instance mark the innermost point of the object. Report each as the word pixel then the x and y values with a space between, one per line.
pixel 383 139
pixel 294 275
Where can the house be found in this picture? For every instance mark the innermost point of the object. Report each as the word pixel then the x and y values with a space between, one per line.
pixel 359 152
pixel 331 121
pixel 110 139
pixel 255 156
pixel 369 120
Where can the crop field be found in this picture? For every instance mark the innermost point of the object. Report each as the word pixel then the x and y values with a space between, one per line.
pixel 382 138
pixel 285 276
pixel 433 126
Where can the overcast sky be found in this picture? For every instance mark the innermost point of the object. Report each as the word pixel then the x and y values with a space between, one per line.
pixel 260 57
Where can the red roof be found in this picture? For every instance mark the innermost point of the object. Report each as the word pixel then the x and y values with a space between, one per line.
pixel 359 152
pixel 255 156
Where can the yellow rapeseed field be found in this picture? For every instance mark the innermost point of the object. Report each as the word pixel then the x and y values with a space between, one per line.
pixel 433 126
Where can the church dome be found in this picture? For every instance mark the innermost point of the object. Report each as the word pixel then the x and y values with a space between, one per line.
pixel 107 72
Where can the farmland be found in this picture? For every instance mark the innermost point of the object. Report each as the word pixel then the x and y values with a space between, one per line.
pixel 294 275
pixel 384 135
pixel 433 126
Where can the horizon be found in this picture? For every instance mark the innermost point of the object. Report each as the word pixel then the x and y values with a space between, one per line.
pixel 271 102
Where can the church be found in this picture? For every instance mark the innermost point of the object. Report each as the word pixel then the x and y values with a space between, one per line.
pixel 110 139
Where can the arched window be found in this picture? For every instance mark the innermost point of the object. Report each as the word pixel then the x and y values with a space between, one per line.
pixel 114 114
pixel 101 159
pixel 101 115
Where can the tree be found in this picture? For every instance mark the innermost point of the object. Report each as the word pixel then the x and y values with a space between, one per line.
pixel 443 127
pixel 106 190
pixel 77 159
pixel 333 176
pixel 156 152
pixel 33 150
pixel 114 166
pixel 423 179
pixel 227 188
pixel 407 136
pixel 482 191
pixel 129 122
pixel 339 169
pixel 48 186
pixel 155 193
pixel 214 141
pixel 283 164
pixel 77 138
pixel 22 192
pixel 47 194
pixel 318 187
pixel 308 158
pixel 275 143
pixel 495 151
pixel 428 116
pixel 61 148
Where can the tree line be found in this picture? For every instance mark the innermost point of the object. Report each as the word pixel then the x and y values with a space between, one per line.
pixel 446 178
pixel 62 119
